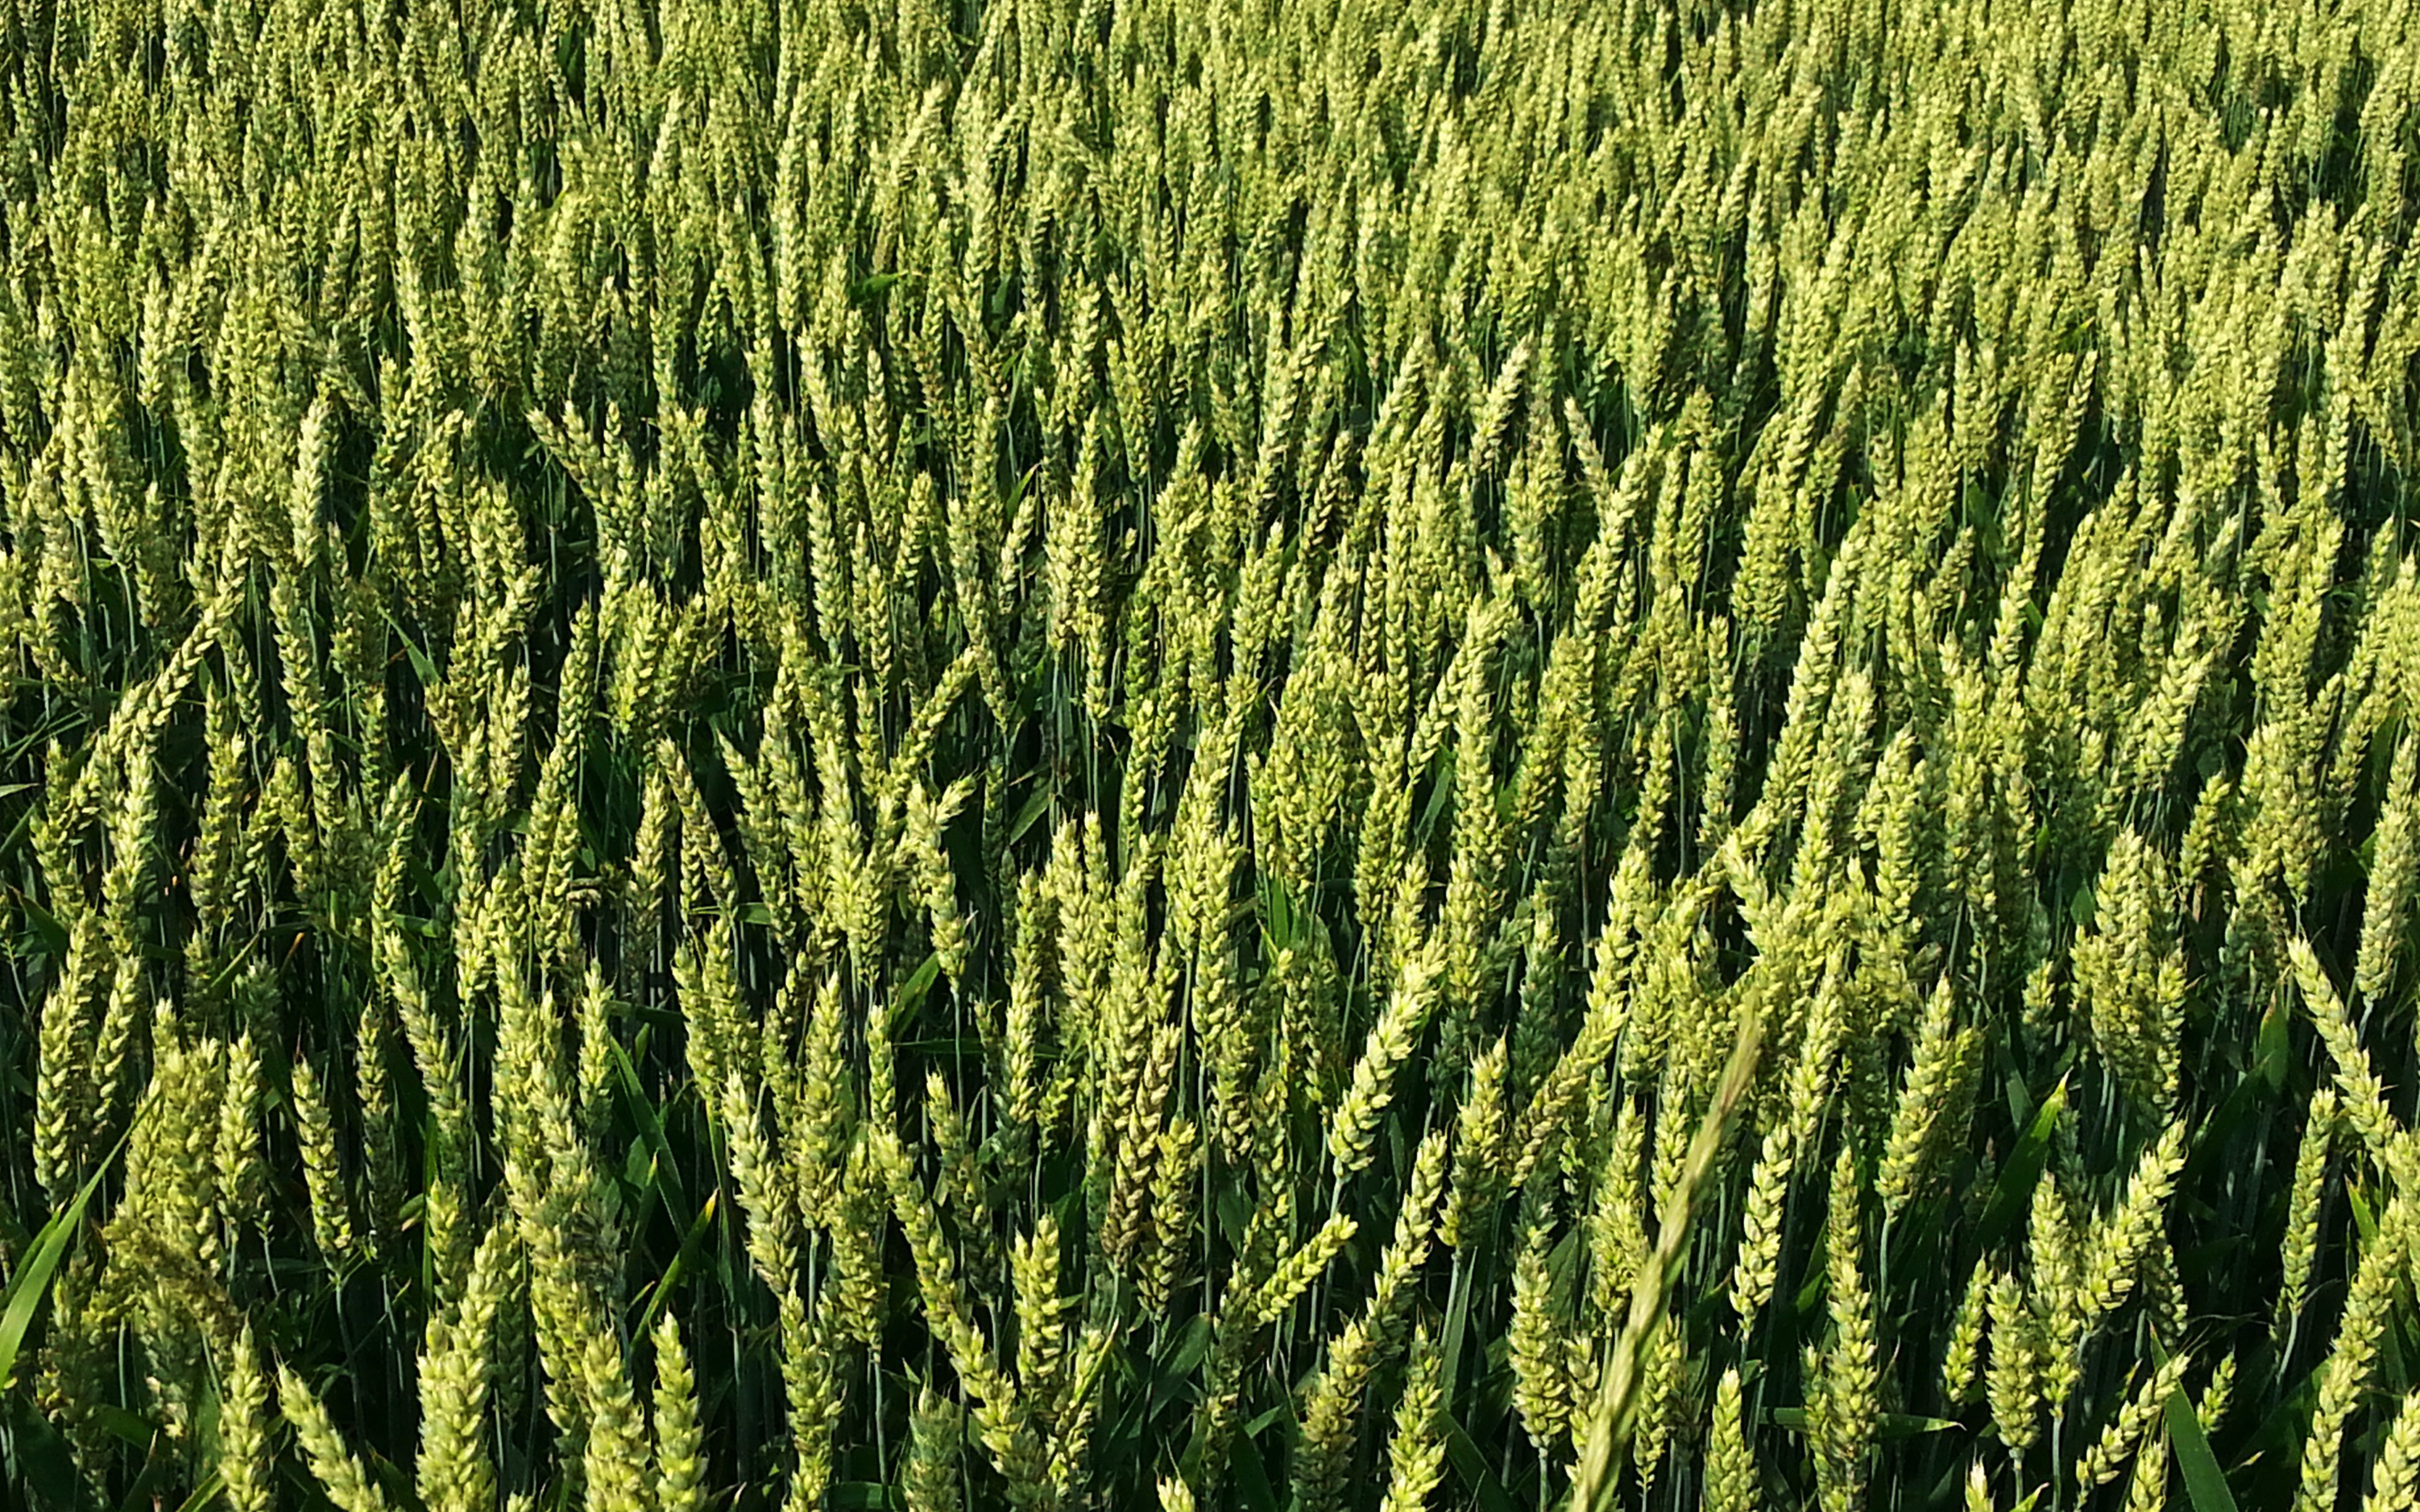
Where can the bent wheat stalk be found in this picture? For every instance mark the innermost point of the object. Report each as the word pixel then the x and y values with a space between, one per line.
pixel 1616 1397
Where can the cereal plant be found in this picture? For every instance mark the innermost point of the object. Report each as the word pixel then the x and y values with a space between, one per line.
pixel 1105 754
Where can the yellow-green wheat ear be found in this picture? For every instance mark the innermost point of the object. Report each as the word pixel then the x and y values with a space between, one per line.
pixel 339 1473
pixel 1730 1461
pixel 246 1449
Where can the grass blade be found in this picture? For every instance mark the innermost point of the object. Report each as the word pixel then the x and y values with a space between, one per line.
pixel 2204 1481
pixel 32 1282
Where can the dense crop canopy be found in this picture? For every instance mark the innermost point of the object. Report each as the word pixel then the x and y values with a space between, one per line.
pixel 1070 755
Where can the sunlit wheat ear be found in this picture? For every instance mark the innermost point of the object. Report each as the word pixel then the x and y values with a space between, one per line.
pixel 339 1473
pixel 457 1376
pixel 331 1222
pixel 246 1451
pixel 2127 1432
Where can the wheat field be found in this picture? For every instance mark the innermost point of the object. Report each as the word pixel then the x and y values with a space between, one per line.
pixel 761 755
